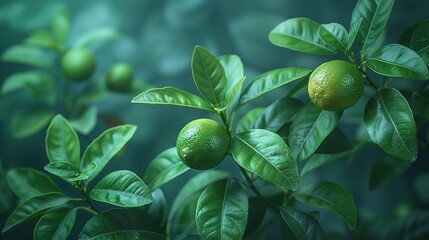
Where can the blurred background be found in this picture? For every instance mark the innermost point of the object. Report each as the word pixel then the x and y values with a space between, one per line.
pixel 157 40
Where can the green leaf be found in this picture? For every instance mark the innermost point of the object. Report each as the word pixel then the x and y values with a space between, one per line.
pixel 30 121
pixel 417 38
pixel 270 81
pixel 165 167
pixel 222 211
pixel 390 123
pixel 384 170
pixel 195 185
pixel 233 68
pixel 33 207
pixel 39 84
pixel 105 146
pixel 123 223
pixel 265 154
pixel 318 160
pixel 309 128
pixel 28 54
pixel 420 103
pixel 375 15
pixel 122 188
pixel 159 208
pixel 247 120
pixel 335 142
pixel 55 225
pixel 395 60
pixel 62 143
pixel 303 225
pixel 64 170
pixel 28 182
pixel 277 114
pixel 257 209
pixel 329 196
pixel 300 34
pixel 86 121
pixel 60 25
pixel 335 35
pixel 209 77
pixel 96 36
pixel 183 222
pixel 86 172
pixel 6 198
pixel 172 96
pixel 354 30
pixel 42 38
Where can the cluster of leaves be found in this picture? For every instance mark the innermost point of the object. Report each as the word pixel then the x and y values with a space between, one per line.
pixel 50 93
pixel 40 196
pixel 267 144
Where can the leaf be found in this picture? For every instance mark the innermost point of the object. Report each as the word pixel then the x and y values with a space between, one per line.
pixel 183 222
pixel 195 185
pixel 247 120
pixel 234 70
pixel 165 167
pixel 64 170
pixel 34 206
pixel 86 122
pixel 55 225
pixel 329 196
pixel 417 38
pixel 62 143
pixel 122 223
pixel 335 142
pixel 42 38
pixel 105 146
pixel 39 84
pixel 257 209
pixel 335 35
pixel 277 114
pixel 96 36
pixel 270 81
pixel 172 96
pixel 395 60
pixel 318 160
pixel 30 121
pixel 300 34
pixel 265 154
pixel 222 211
pixel 209 77
pixel 384 170
pixel 375 15
pixel 60 25
pixel 122 188
pixel 390 123
pixel 354 30
pixel 303 225
pixel 159 208
pixel 420 103
pixel 309 128
pixel 28 182
pixel 86 172
pixel 27 54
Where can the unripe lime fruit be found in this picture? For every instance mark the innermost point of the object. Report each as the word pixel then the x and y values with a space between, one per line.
pixel 78 64
pixel 202 144
pixel 335 85
pixel 120 77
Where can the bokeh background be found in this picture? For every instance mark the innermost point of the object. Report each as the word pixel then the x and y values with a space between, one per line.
pixel 157 40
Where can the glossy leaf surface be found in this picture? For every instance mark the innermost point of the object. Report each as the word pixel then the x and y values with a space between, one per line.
pixel 395 60
pixel 55 225
pixel 417 38
pixel 62 143
pixel 172 96
pixel 309 128
pixel 390 123
pixel 122 188
pixel 86 121
pixel 420 103
pixel 329 196
pixel 300 34
pixel 64 170
pixel 222 211
pixel 265 154
pixel 335 35
pixel 165 167
pixel 105 146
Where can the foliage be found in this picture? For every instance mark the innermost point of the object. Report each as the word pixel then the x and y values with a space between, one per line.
pixel 275 149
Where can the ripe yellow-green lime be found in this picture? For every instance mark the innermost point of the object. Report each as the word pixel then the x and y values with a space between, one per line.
pixel 120 77
pixel 78 64
pixel 335 85
pixel 202 144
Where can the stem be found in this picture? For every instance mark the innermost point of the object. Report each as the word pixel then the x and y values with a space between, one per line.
pixel 88 209
pixel 86 199
pixel 386 81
